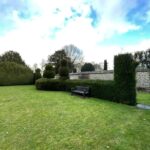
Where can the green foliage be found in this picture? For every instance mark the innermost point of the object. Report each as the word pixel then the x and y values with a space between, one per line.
pixel 56 59
pixel 37 74
pixel 87 67
pixel 64 70
pixel 49 72
pixel 105 65
pixel 63 62
pixel 64 73
pixel 12 56
pixel 48 67
pixel 50 84
pixel 15 74
pixel 99 89
pixel 124 75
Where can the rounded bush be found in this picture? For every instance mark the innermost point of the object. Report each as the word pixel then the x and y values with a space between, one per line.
pixel 49 72
pixel 48 67
pixel 87 67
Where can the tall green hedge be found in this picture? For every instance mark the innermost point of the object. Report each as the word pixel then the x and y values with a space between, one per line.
pixel 125 80
pixel 15 74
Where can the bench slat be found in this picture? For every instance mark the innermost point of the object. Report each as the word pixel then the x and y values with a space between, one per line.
pixel 84 90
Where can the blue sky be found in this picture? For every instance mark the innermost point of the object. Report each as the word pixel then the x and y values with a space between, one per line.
pixel 101 28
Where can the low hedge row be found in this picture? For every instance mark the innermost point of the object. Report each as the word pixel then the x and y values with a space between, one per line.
pixel 99 89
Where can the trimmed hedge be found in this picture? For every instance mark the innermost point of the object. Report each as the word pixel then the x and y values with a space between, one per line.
pixel 99 89
pixel 125 80
pixel 50 84
pixel 15 74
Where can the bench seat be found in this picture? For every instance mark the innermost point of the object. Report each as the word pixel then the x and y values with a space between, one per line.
pixel 83 90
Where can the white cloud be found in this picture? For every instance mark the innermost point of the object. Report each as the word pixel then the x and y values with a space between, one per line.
pixel 31 38
pixel 113 19
pixel 142 45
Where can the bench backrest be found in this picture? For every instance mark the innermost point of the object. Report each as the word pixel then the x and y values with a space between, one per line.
pixel 82 88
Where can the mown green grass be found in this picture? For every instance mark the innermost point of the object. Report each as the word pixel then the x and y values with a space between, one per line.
pixel 143 98
pixel 31 119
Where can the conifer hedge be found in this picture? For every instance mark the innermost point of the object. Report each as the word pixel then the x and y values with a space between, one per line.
pixel 125 79
pixel 12 73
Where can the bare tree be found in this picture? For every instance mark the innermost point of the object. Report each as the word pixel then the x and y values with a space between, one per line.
pixel 35 66
pixel 43 63
pixel 97 66
pixel 74 53
pixel 143 58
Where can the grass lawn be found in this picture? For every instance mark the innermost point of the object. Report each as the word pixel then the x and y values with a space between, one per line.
pixel 31 119
pixel 143 98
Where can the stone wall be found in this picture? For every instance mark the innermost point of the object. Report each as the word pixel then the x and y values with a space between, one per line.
pixel 142 77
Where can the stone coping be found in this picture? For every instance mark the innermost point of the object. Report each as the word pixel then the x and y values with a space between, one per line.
pixel 93 72
pixel 105 72
pixel 142 70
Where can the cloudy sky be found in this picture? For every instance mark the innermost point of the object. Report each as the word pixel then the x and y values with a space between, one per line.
pixel 101 28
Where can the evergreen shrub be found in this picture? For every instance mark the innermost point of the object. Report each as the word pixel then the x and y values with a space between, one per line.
pixel 12 73
pixel 125 78
pixel 49 72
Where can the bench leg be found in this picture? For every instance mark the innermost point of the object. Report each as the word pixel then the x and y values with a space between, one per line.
pixel 83 95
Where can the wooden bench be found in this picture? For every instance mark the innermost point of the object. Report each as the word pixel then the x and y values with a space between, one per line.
pixel 82 90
